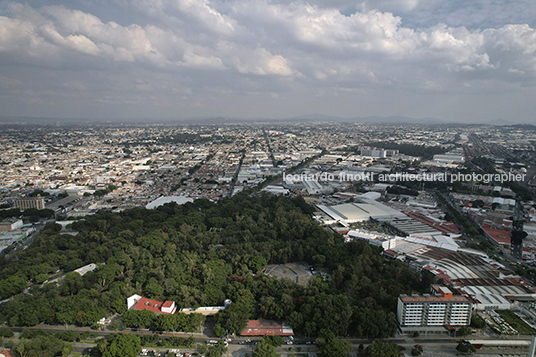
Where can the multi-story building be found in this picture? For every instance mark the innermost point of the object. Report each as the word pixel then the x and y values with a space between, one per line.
pixel 428 311
pixel 10 225
pixel 373 152
pixel 30 202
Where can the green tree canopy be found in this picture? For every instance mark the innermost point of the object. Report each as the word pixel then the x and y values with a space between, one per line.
pixel 45 345
pixel 120 345
pixel 382 349
pixel 332 347
pixel 264 349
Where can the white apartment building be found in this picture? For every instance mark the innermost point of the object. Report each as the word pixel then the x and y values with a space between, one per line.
pixel 430 311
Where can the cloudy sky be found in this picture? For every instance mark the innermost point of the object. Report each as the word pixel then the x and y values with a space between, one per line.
pixel 455 60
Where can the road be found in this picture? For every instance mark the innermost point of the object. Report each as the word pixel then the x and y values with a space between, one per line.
pixel 235 176
pixel 434 346
pixel 274 163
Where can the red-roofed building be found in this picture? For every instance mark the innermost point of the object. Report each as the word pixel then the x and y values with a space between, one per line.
pixel 5 353
pixel 501 235
pixel 167 307
pixel 390 254
pixel 266 327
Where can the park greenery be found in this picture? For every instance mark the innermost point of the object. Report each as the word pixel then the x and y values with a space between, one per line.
pixel 200 254
pixel 119 345
pixel 465 348
pixel 176 322
pixel 516 322
pixel 266 347
pixel 30 214
pixel 330 346
pixel 44 344
pixel 382 349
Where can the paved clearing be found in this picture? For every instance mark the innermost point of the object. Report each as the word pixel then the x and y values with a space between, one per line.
pixel 296 272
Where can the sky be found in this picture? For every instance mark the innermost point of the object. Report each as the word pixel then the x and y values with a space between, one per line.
pixel 454 60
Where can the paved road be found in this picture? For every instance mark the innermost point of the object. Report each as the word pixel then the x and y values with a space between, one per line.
pixel 433 347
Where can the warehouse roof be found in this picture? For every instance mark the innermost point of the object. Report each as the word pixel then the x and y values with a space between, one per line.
pixel 266 327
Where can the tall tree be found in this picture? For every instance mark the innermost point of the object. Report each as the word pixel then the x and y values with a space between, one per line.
pixel 120 345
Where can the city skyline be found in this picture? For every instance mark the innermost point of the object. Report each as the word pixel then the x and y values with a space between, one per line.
pixel 452 61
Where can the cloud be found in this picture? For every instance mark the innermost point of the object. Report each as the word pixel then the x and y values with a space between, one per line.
pixel 471 14
pixel 224 48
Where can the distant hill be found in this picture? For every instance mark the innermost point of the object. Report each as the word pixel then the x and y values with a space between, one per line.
pixel 316 117
pixel 369 119
pixel 398 120
pixel 313 117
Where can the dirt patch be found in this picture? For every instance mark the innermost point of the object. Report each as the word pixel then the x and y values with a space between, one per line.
pixel 296 272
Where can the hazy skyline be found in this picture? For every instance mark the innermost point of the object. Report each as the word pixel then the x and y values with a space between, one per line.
pixel 452 60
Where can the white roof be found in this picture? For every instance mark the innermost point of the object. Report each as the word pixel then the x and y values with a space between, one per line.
pixel 445 290
pixel 86 269
pixel 180 200
pixel 371 195
pixel 365 210
pixel 438 241
pixel 133 300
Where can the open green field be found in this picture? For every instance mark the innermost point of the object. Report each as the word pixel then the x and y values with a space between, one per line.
pixel 515 321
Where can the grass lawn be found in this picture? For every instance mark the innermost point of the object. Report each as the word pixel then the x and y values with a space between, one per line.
pixel 521 326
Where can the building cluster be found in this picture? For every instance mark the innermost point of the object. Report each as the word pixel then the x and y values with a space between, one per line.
pixel 137 302
pixel 355 175
pixel 13 231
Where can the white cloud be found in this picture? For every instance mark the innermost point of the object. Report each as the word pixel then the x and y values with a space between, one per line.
pixel 206 15
pixel 268 47
pixel 193 60
pixel 258 61
pixel 82 44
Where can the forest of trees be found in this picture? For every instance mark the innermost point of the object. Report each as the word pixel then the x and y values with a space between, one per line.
pixel 171 253
pixel 31 214
pixel 176 322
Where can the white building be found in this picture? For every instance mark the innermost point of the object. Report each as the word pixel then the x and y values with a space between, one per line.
pixel 484 299
pixel 374 152
pixel 10 225
pixel 132 301
pixel 180 200
pixel 86 269
pixel 381 240
pixel 362 210
pixel 430 311
pixel 276 190
pixel 169 307
pixel 313 187
pixel 449 158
